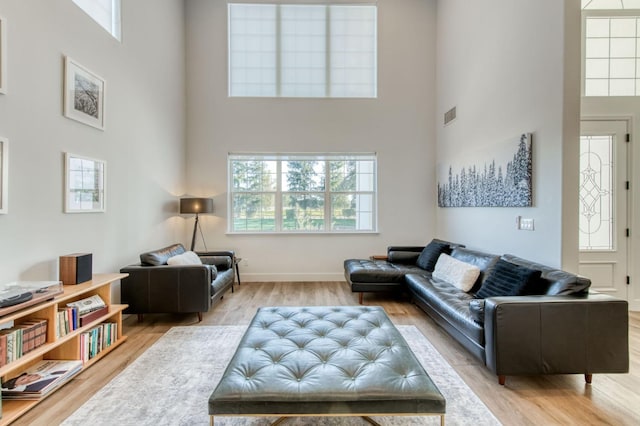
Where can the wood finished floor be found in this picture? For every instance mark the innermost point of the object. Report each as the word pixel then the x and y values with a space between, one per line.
pixel 542 400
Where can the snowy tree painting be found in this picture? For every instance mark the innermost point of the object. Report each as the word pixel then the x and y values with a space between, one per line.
pixel 491 184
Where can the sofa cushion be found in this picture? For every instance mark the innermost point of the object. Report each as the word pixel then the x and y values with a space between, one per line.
pixel 160 256
pixel 508 279
pixel 371 271
pixel 476 309
pixel 455 272
pixel 186 258
pixel 430 254
pixel 553 282
pixel 484 261
pixel 451 303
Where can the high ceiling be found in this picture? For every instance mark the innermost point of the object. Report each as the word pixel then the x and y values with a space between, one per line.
pixel 610 4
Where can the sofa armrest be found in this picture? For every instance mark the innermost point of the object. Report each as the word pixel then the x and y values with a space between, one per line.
pixel 222 260
pixel 166 288
pixel 556 334
pixel 407 255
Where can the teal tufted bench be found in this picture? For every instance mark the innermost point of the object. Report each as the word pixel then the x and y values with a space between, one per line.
pixel 324 361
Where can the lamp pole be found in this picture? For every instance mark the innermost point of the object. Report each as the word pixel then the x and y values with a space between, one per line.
pixel 193 239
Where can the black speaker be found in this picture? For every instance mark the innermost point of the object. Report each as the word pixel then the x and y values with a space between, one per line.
pixel 76 268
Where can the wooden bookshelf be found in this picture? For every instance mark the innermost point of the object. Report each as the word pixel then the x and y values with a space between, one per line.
pixel 65 347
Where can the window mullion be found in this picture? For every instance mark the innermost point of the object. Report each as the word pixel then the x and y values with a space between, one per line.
pixel 327 195
pixel 278 52
pixel 327 51
pixel 278 205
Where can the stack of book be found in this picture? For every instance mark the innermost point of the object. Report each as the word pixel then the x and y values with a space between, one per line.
pixel 66 321
pixel 21 339
pixel 40 379
pixel 89 309
pixel 97 339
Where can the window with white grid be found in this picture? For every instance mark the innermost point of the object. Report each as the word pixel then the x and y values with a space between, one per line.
pixel 612 56
pixel 295 50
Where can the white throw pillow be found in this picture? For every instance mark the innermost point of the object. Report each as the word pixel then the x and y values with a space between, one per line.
pixel 186 258
pixel 455 272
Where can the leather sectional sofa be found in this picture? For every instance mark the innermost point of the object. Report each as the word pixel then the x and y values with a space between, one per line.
pixel 153 286
pixel 555 326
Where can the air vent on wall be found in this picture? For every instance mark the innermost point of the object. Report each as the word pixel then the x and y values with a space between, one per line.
pixel 449 116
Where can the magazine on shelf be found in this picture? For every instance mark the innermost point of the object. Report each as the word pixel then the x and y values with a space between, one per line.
pixel 40 379
pixel 87 305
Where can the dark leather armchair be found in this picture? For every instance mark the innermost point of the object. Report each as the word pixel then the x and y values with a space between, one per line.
pixel 153 286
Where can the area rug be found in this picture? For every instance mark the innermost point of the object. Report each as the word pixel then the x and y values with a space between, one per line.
pixel 170 384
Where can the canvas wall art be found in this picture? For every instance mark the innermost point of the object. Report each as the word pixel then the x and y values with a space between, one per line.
pixel 83 95
pixel 501 179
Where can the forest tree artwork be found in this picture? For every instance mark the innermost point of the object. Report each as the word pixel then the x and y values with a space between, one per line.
pixel 492 184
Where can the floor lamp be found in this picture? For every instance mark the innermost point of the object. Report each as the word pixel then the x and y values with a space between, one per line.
pixel 197 206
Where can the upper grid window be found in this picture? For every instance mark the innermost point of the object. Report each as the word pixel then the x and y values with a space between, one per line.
pixel 612 56
pixel 104 12
pixel 302 193
pixel 286 50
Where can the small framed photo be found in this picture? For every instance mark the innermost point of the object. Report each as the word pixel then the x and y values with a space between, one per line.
pixel 4 175
pixel 83 94
pixel 85 184
pixel 3 55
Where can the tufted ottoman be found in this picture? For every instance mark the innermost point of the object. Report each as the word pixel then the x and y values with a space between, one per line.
pixel 324 361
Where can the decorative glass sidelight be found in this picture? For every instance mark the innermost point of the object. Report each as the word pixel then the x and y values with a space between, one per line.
pixel 596 193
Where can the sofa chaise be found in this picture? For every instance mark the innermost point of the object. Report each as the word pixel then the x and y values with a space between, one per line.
pixel 159 285
pixel 518 317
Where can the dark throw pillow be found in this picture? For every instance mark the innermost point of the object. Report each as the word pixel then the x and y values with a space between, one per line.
pixel 430 254
pixel 508 279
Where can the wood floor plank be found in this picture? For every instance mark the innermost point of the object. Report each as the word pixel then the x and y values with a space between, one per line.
pixel 612 399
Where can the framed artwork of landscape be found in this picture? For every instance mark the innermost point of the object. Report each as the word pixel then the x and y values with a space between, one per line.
pixel 83 94
pixel 85 184
pixel 3 55
pixel 4 174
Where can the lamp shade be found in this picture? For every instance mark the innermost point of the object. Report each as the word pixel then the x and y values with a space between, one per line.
pixel 196 205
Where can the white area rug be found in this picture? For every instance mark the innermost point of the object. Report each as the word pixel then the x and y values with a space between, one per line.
pixel 171 382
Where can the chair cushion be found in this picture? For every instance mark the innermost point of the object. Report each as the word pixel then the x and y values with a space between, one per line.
pixel 429 256
pixel 455 272
pixel 508 279
pixel 186 258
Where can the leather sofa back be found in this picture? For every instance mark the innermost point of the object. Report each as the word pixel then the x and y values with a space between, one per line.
pixel 160 256
pixel 484 261
pixel 554 282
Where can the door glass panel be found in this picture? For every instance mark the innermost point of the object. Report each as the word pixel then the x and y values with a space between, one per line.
pixel 596 193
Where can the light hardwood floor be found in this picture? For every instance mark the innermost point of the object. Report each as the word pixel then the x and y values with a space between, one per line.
pixel 542 400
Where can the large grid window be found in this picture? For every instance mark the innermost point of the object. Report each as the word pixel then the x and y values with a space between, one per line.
pixel 286 50
pixel 104 12
pixel 612 56
pixel 302 193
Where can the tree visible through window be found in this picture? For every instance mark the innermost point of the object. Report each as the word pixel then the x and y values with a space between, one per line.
pixel 302 193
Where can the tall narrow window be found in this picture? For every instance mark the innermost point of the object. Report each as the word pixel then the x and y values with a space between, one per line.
pixel 105 12
pixel 286 50
pixel 596 193
pixel 302 192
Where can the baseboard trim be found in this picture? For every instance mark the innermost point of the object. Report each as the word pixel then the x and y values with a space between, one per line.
pixel 288 277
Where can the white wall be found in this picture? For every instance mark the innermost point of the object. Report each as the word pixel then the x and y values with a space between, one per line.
pixel 398 125
pixel 143 143
pixel 509 68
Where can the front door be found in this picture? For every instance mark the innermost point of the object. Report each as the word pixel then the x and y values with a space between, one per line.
pixel 604 193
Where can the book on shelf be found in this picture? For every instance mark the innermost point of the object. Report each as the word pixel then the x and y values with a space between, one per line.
pixel 66 321
pixel 40 379
pixel 97 339
pixel 22 339
pixel 87 305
